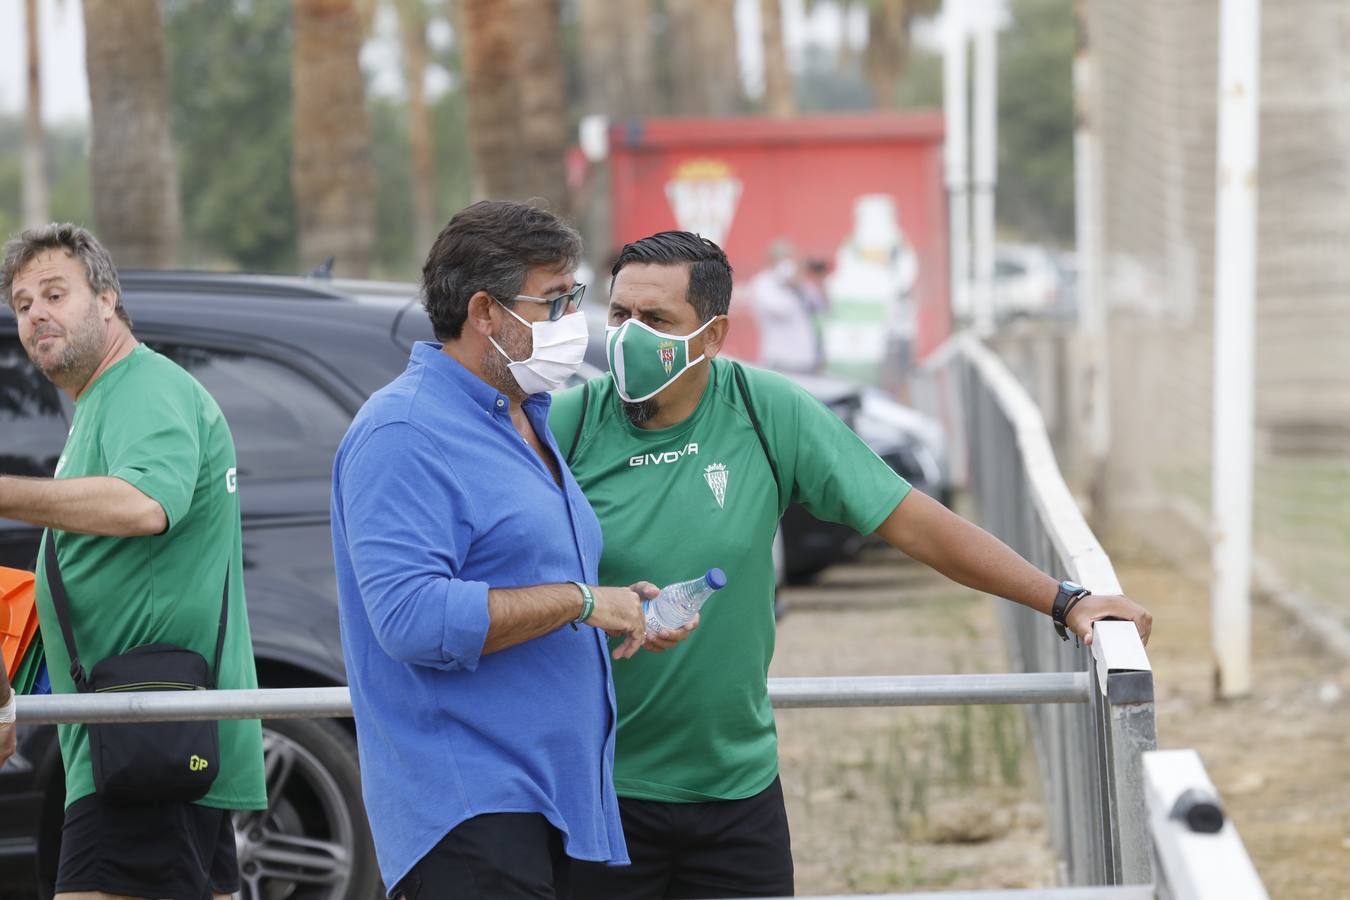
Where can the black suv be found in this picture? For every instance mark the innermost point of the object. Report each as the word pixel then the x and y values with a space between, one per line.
pixel 289 360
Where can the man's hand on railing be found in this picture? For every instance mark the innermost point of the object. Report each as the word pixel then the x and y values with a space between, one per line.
pixel 1108 606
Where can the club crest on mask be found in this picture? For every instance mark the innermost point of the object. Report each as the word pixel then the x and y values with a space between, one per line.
pixel 643 361
pixel 667 352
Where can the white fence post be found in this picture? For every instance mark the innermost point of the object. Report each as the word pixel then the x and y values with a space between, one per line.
pixel 956 153
pixel 1235 253
pixel 985 132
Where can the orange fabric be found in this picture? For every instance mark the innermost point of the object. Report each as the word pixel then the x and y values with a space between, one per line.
pixel 18 616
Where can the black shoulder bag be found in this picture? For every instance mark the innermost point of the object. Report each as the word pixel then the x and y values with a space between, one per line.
pixel 146 762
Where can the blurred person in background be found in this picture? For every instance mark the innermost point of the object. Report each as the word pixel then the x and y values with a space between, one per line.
pixel 689 460
pixel 473 634
pixel 788 335
pixel 811 286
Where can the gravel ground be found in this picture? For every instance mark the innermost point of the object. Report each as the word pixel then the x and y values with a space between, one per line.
pixel 947 798
pixel 904 799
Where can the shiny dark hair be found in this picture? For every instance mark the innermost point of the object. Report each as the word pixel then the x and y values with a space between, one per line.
pixel 709 272
pixel 491 246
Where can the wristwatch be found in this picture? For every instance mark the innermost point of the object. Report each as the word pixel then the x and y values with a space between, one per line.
pixel 1066 599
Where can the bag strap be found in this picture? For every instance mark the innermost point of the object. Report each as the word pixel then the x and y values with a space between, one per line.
pixel 61 601
pixel 759 431
pixel 581 422
pixel 62 604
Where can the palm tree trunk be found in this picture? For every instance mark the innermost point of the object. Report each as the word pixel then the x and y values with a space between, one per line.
pixel 887 55
pixel 887 44
pixel 135 177
pixel 618 60
pixel 517 111
pixel 494 102
pixel 543 101
pixel 412 19
pixel 706 76
pixel 779 99
pixel 331 168
pixel 36 208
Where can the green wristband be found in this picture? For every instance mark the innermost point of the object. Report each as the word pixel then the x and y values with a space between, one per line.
pixel 587 604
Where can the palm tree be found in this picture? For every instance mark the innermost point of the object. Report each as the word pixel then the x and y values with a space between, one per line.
pixel 36 209
pixel 619 59
pixel 887 54
pixel 412 22
pixel 705 73
pixel 517 108
pixel 135 177
pixel 779 99
pixel 331 169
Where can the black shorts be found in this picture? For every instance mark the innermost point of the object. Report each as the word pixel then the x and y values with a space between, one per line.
pixel 495 856
pixel 720 848
pixel 176 850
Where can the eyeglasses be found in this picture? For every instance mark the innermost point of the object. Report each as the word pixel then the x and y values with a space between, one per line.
pixel 559 305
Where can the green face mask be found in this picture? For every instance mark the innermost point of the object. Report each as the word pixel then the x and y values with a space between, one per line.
pixel 643 361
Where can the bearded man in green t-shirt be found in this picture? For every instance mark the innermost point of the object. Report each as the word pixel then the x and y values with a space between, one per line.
pixel 689 461
pixel 144 513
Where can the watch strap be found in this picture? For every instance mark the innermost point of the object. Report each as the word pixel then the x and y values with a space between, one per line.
pixel 1065 600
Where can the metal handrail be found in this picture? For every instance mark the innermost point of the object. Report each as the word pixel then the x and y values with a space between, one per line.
pixel 330 702
pixel 1091 758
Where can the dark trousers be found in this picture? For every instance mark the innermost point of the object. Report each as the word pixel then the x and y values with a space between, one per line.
pixel 723 848
pixel 498 856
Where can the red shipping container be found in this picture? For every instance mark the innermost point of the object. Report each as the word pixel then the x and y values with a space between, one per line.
pixel 816 181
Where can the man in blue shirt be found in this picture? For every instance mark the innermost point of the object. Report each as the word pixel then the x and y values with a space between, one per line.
pixel 466 554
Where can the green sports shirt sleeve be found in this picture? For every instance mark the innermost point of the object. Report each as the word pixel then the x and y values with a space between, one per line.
pixel 832 471
pixel 154 444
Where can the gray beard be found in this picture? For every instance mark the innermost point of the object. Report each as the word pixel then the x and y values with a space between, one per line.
pixel 641 413
pixel 81 356
pixel 496 368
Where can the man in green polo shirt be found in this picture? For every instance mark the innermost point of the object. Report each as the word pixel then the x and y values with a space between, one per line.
pixel 689 462
pixel 144 513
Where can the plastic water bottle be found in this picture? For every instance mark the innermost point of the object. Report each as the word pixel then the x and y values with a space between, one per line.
pixel 677 603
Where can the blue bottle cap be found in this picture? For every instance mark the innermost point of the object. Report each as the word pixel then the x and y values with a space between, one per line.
pixel 716 579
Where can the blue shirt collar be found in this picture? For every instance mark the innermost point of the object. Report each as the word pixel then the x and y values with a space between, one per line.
pixel 430 355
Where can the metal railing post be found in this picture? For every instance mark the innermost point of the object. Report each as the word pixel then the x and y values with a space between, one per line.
pixel 1125 681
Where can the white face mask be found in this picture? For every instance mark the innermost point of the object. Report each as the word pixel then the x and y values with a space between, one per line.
pixel 559 348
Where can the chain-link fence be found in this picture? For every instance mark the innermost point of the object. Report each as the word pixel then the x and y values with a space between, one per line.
pixel 1154 106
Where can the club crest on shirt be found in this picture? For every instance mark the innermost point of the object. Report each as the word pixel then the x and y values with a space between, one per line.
pixel 716 476
pixel 667 351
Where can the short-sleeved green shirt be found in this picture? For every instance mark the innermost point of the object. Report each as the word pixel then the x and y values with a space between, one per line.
pixel 695 722
pixel 148 422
